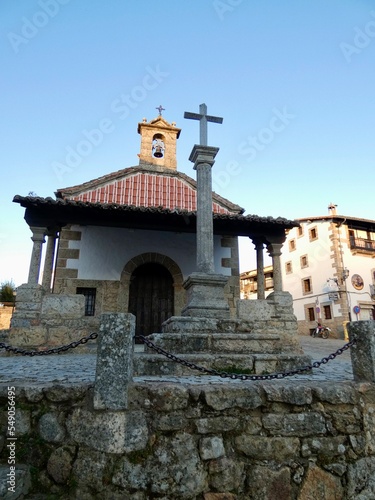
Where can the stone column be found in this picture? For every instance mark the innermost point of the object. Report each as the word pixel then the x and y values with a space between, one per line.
pixel 203 158
pixel 114 362
pixel 274 249
pixel 205 289
pixel 48 261
pixel 260 268
pixel 363 351
pixel 36 256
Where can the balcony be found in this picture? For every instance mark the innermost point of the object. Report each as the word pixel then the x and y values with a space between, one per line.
pixel 362 245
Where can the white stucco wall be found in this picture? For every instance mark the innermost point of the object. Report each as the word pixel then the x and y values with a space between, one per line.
pixel 320 270
pixel 104 251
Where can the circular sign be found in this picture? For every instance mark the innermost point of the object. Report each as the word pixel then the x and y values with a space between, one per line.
pixel 356 309
pixel 357 282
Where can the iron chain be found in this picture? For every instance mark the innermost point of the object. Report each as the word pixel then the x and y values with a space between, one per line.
pixel 54 350
pixel 234 376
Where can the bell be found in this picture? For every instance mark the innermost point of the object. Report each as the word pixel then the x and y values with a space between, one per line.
pixel 158 152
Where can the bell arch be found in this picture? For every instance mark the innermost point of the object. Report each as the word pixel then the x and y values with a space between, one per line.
pixel 158 145
pixel 157 258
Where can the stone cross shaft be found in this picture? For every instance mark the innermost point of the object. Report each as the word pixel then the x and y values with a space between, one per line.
pixel 203 158
pixel 203 118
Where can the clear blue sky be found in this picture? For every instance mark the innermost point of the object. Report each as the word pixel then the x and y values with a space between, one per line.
pixel 294 81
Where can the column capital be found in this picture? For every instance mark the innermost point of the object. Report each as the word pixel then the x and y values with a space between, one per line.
pixel 257 241
pixel 203 154
pixel 38 233
pixel 274 249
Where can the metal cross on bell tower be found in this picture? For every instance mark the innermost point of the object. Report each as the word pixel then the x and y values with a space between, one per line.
pixel 160 109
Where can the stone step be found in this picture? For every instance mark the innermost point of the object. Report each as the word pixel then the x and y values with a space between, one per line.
pixel 240 343
pixel 156 364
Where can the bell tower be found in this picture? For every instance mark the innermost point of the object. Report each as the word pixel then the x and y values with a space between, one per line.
pixel 158 142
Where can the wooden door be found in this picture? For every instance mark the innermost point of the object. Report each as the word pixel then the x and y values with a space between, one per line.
pixel 150 297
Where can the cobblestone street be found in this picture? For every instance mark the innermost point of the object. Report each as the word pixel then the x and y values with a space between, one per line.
pixel 77 368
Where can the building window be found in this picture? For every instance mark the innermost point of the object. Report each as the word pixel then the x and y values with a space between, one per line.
pixel 90 295
pixel 288 267
pixel 299 231
pixel 327 312
pixel 313 234
pixel 292 245
pixel 311 313
pixel 306 286
pixel 304 261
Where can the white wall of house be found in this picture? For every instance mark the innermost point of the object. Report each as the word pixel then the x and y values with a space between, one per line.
pixel 104 251
pixel 318 269
pixel 321 268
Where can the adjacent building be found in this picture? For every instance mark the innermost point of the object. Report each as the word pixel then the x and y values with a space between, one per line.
pixel 329 268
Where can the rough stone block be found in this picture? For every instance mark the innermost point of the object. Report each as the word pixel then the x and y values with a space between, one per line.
pixel 226 474
pixel 170 471
pixel 298 395
pixel 231 397
pixel 264 482
pixel 268 448
pixel 299 424
pixel 211 447
pixel 114 365
pixel 321 484
pixel 50 429
pixel 29 293
pixel 59 465
pixel 324 446
pixel 216 424
pixel 363 351
pixel 68 306
pixel 336 394
pixel 32 336
pixel 361 479
pixel 254 310
pixel 104 431
pixel 170 397
pixel 22 482
pixel 205 296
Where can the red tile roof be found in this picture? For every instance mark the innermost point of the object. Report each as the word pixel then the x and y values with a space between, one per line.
pixel 145 186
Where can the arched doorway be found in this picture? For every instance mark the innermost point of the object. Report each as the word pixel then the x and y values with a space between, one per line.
pixel 151 297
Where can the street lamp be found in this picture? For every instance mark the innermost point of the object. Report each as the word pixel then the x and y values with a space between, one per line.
pixel 345 274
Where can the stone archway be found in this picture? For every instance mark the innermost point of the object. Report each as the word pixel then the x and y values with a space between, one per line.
pixel 170 265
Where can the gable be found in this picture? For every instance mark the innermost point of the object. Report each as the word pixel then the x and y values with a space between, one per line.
pixel 142 187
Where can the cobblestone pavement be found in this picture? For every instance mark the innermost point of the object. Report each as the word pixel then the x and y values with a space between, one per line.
pixel 78 368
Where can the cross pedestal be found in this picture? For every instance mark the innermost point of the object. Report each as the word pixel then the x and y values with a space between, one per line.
pixel 260 339
pixel 205 289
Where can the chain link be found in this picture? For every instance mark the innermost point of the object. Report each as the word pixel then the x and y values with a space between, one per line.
pixel 234 376
pixel 54 350
pixel 184 362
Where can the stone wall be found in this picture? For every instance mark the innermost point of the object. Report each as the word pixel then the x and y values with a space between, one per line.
pixel 43 320
pixel 260 440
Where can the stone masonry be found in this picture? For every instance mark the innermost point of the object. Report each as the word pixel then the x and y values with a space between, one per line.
pixel 256 441
pixel 250 440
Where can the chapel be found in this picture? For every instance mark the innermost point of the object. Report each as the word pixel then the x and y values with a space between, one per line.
pixel 126 241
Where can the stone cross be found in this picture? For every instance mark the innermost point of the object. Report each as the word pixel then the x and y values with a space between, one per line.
pixel 203 118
